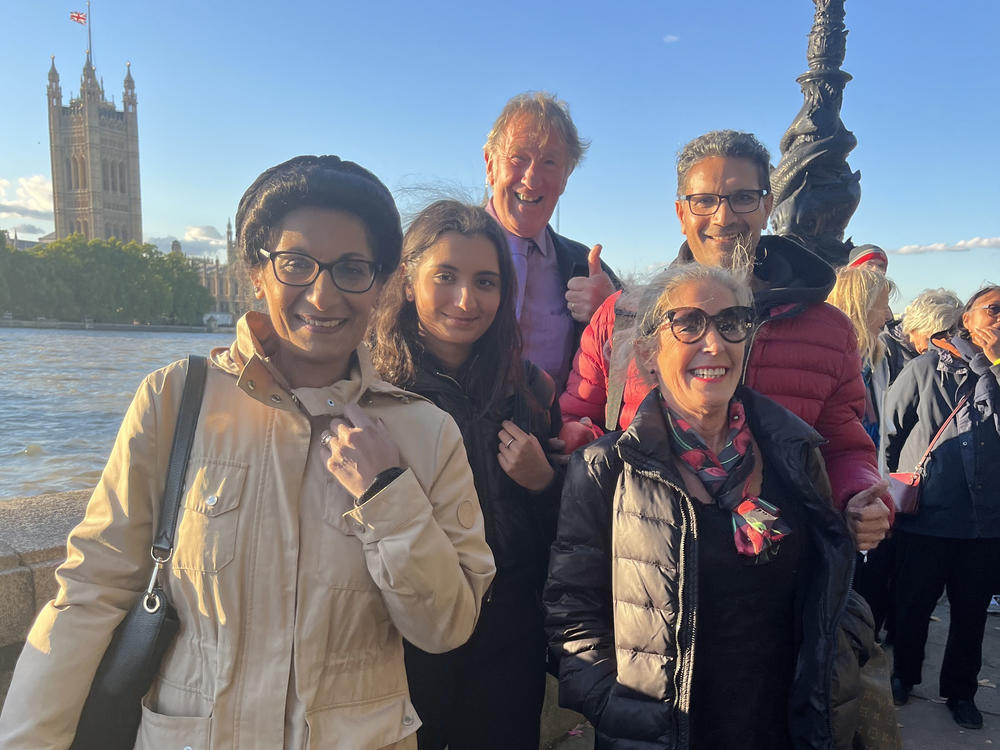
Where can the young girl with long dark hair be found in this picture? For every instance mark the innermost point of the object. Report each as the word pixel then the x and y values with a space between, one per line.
pixel 446 330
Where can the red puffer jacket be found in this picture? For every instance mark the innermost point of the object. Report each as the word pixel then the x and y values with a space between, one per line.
pixel 804 356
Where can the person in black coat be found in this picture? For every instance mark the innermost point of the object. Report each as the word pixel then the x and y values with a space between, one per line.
pixel 700 574
pixel 953 542
pixel 446 330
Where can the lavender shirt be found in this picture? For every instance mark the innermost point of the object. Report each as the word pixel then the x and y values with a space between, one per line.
pixel 546 325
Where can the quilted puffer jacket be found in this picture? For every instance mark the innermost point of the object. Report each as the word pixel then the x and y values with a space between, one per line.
pixel 803 354
pixel 623 584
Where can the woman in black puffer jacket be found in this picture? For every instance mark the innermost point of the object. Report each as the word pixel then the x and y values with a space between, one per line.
pixel 446 330
pixel 700 576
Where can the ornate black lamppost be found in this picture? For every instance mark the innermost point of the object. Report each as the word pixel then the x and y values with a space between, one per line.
pixel 815 191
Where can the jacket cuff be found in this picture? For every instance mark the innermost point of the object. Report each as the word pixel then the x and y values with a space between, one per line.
pixel 400 502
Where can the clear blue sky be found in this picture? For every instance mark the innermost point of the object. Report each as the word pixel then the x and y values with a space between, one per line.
pixel 410 90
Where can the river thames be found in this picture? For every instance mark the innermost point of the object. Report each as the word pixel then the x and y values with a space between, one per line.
pixel 63 394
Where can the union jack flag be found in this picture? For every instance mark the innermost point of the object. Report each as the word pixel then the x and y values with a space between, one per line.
pixel 78 17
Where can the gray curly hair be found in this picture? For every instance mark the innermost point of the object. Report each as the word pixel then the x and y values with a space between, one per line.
pixel 651 303
pixel 932 311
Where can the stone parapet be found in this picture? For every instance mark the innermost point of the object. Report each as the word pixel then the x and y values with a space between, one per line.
pixel 33 533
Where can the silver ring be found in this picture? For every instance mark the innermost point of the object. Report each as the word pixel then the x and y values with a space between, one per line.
pixel 510 442
pixel 325 439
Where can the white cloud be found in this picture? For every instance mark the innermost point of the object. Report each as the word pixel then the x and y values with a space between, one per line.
pixel 671 38
pixel 204 234
pixel 204 241
pixel 955 247
pixel 32 198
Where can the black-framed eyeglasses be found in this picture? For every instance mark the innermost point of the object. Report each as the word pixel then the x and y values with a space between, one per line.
pixel 740 201
pixel 992 310
pixel 690 324
pixel 351 275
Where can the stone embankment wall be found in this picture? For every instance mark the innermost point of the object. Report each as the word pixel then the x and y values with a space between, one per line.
pixel 33 534
pixel 70 325
pixel 32 543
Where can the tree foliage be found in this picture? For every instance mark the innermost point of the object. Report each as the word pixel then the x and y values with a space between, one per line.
pixel 106 280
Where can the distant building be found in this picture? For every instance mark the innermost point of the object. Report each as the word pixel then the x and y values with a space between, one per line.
pixel 95 160
pixel 18 244
pixel 227 282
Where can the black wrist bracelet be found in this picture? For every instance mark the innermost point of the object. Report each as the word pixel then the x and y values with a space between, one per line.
pixel 382 480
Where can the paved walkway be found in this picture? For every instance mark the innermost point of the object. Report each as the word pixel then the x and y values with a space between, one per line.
pixel 925 722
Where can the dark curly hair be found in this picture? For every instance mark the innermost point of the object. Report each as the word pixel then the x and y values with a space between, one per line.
pixel 326 182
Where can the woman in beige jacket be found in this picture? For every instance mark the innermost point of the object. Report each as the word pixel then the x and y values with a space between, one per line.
pixel 326 513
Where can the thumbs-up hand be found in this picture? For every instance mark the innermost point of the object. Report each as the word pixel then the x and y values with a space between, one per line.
pixel 584 294
pixel 868 516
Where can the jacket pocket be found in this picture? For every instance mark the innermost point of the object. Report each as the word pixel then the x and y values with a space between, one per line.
pixel 377 723
pixel 158 731
pixel 206 532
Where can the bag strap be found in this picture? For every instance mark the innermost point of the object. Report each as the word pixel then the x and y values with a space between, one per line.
pixel 927 453
pixel 180 451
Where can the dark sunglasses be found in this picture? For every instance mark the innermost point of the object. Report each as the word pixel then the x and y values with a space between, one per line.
pixel 992 310
pixel 690 324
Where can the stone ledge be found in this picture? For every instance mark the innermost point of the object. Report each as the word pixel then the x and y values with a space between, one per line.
pixel 33 533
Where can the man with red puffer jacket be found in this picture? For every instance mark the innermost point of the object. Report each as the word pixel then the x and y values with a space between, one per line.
pixel 804 351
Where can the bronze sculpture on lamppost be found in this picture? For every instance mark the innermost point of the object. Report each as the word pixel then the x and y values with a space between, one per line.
pixel 815 191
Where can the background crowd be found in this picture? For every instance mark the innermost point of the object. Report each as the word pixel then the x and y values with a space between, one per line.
pixel 387 538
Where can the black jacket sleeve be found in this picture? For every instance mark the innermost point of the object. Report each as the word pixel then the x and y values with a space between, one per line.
pixel 578 592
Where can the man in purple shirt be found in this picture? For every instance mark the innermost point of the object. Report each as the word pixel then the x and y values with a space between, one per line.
pixel 530 153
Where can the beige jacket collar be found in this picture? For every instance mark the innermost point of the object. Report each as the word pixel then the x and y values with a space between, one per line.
pixel 249 359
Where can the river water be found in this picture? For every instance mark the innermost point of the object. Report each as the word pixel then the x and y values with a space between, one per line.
pixel 63 395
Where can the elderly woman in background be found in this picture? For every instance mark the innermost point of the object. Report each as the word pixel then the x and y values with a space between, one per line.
pixel 953 542
pixel 932 311
pixel 700 571
pixel 327 514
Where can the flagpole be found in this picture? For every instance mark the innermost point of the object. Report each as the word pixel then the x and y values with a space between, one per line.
pixel 90 44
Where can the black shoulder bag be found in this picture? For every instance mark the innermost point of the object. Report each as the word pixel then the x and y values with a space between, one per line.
pixel 112 712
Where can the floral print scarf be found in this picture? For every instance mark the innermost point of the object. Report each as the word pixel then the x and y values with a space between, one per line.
pixel 757 524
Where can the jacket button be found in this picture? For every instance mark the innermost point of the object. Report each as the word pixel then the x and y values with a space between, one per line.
pixel 211 500
pixel 407 721
pixel 965 443
pixel 276 398
pixel 329 402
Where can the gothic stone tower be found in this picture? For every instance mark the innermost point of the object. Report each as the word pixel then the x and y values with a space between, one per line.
pixel 95 160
